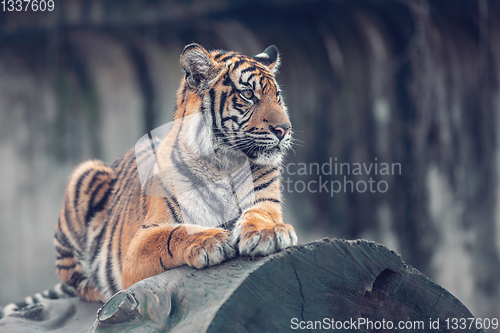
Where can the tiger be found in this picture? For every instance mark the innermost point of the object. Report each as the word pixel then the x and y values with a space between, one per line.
pixel 115 229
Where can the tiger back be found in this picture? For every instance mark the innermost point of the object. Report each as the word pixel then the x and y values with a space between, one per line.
pixel 211 190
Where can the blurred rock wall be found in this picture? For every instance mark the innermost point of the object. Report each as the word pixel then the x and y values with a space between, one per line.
pixel 411 83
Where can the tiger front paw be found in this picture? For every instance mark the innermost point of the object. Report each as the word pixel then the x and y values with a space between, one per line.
pixel 261 238
pixel 209 247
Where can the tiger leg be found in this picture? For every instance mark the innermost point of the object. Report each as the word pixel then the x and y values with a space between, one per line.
pixel 85 202
pixel 84 288
pixel 156 249
pixel 260 231
pixel 70 270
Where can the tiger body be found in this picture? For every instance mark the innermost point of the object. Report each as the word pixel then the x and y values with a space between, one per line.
pixel 113 233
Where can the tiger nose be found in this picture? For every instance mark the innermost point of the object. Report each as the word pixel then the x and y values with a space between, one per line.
pixel 280 130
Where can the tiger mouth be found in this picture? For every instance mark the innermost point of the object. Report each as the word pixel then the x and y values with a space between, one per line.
pixel 255 151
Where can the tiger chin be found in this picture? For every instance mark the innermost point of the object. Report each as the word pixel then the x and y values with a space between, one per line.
pixel 115 230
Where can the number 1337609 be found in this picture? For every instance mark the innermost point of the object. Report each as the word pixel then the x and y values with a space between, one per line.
pixel 27 5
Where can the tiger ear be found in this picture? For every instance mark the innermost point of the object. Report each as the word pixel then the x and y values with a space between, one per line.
pixel 270 57
pixel 199 66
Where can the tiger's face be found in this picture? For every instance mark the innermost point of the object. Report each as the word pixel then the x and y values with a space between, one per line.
pixel 240 101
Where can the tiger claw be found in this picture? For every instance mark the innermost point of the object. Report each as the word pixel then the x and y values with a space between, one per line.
pixel 209 250
pixel 253 241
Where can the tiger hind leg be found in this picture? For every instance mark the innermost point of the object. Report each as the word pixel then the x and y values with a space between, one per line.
pixel 71 273
pixel 85 203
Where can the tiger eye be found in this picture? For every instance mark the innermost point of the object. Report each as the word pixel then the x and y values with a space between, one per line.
pixel 247 94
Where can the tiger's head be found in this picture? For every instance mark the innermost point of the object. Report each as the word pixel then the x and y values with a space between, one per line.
pixel 240 102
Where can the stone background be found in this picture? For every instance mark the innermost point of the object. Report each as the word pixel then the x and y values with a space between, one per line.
pixel 385 81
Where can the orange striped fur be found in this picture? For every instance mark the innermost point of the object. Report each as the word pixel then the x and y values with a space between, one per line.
pixel 111 233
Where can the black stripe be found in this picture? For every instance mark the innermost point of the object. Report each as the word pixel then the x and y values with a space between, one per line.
pixel 92 209
pixel 143 203
pixel 216 129
pixel 261 80
pixel 255 167
pixel 173 212
pixel 264 87
pixel 21 304
pixel 95 177
pixel 265 174
pixel 147 226
pixel 90 204
pixel 167 194
pixel 265 185
pixel 184 90
pixel 64 241
pixel 247 83
pixel 64 256
pixel 223 98
pixel 75 279
pixel 219 55
pixel 52 295
pixel 67 290
pixel 243 122
pixel 230 224
pixel 77 188
pixel 249 69
pixel 63 252
pixel 251 76
pixel 229 83
pixel 109 277
pixel 237 64
pixel 154 150
pixel 212 109
pixel 68 221
pixel 261 200
pixel 267 199
pixel 169 239
pixel 179 207
pixel 182 122
pixel 232 118
pixel 163 266
pixel 121 169
pixel 228 56
pixel 174 199
pixel 141 155
pixel 238 106
pixel 66 266
pixel 241 107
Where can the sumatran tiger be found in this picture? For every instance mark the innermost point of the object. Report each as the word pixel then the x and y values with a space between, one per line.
pixel 115 230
